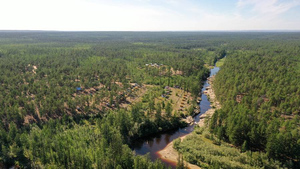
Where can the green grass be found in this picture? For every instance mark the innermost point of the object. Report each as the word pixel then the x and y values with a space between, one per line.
pixel 220 62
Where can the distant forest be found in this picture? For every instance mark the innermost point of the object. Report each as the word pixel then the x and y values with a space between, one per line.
pixel 62 94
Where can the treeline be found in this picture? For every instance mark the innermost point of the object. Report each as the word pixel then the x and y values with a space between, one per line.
pixel 94 143
pixel 258 87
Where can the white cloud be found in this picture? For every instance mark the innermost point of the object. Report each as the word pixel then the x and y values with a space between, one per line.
pixel 267 14
pixel 273 7
pixel 140 15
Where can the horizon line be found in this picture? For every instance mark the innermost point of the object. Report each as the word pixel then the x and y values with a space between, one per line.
pixel 282 30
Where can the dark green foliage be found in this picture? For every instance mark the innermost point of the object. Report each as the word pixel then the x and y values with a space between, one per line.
pixel 169 110
pixel 180 163
pixel 60 94
pixel 258 87
pixel 94 144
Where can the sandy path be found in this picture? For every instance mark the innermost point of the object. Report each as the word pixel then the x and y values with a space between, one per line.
pixel 170 154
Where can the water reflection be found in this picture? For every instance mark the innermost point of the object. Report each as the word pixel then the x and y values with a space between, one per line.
pixel 152 145
pixel 167 138
pixel 158 140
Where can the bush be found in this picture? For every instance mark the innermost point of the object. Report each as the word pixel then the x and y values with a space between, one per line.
pixel 198 130
pixel 176 143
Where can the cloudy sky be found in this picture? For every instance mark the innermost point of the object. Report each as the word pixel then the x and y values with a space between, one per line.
pixel 149 15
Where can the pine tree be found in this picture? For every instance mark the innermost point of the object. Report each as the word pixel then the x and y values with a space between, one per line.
pixel 180 163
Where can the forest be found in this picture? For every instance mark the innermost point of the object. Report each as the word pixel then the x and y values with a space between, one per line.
pixel 258 87
pixel 258 124
pixel 78 99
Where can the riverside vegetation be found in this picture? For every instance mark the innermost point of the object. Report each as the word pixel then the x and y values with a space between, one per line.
pixel 258 125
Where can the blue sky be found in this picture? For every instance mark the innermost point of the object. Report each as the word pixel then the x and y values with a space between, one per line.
pixel 150 15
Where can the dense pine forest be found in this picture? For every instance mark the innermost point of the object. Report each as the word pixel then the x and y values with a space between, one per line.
pixel 258 123
pixel 78 99
pixel 258 87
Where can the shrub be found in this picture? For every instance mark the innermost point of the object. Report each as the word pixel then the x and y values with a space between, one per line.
pixel 176 143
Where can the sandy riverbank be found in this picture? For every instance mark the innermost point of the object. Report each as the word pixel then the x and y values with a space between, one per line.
pixel 170 154
pixel 213 102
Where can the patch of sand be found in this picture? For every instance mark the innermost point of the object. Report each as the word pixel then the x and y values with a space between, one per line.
pixel 171 155
pixel 34 69
pixel 176 72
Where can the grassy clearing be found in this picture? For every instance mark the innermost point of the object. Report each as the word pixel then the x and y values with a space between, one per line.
pixel 220 62
pixel 205 150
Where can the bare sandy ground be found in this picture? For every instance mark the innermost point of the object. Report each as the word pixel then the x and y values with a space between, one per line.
pixel 170 154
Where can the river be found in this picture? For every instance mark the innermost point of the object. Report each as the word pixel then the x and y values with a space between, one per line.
pixel 154 144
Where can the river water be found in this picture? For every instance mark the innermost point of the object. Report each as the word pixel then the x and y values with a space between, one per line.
pixel 154 144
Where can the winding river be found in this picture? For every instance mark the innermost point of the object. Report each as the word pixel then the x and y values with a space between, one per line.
pixel 154 144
